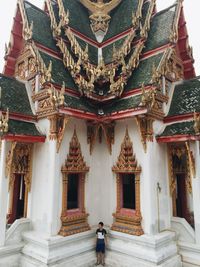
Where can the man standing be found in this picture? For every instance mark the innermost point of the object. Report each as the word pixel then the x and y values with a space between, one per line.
pixel 100 244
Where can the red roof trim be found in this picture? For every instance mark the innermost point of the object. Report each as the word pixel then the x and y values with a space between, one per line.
pixel 85 38
pixel 24 138
pixel 116 37
pixel 49 50
pixel 113 116
pixel 78 114
pixel 125 114
pixel 178 118
pixel 177 138
pixel 156 51
pixel 100 45
pixel 21 117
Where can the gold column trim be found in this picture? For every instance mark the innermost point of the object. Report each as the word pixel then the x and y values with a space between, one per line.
pixel 191 161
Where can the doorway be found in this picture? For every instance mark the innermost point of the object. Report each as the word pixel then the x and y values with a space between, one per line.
pixel 18 204
pixel 181 196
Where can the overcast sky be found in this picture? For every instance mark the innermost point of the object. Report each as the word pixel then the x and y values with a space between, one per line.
pixel 191 8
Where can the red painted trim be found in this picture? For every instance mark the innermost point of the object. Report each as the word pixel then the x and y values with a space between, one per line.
pixel 85 38
pixel 177 138
pixel 20 116
pixel 136 91
pixel 113 116
pixel 116 37
pixel 49 50
pixel 100 45
pixel 178 118
pixel 156 51
pixel 125 114
pixel 78 114
pixel 24 138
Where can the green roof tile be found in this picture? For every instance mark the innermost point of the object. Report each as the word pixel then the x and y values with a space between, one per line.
pixel 180 128
pixel 143 74
pixel 79 17
pixel 14 96
pixel 161 27
pixel 92 51
pixel 108 50
pixel 59 73
pixel 122 17
pixel 186 98
pixel 122 104
pixel 80 104
pixel 41 26
pixel 23 128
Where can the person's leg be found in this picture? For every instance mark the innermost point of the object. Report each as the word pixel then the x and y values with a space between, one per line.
pixel 103 258
pixel 98 258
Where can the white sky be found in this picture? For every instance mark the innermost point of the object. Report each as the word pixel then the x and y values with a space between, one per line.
pixel 191 9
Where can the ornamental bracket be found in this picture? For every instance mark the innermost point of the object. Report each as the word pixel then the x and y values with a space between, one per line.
pixel 95 130
pixel 145 125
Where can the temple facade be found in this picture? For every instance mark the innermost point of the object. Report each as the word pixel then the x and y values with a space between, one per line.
pixel 99 121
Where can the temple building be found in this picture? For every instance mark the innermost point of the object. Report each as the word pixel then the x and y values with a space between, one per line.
pixel 99 121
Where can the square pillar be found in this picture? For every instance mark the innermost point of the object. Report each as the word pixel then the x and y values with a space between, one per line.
pixel 196 192
pixel 3 193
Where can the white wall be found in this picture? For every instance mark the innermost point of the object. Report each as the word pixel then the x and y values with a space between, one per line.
pixel 45 201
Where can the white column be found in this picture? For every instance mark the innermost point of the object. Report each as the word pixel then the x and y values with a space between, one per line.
pixel 148 194
pixel 54 178
pixel 3 193
pixel 196 193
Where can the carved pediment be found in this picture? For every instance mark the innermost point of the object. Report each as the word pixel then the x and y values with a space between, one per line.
pixel 75 160
pixel 126 161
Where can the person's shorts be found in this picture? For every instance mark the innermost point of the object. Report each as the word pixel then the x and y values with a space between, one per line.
pixel 100 247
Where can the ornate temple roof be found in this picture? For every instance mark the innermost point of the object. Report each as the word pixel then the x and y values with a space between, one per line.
pixel 183 119
pixel 14 98
pixel 186 98
pixel 108 60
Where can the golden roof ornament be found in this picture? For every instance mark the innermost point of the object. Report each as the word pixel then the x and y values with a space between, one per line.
pixel 100 17
pixel 4 119
pixel 197 123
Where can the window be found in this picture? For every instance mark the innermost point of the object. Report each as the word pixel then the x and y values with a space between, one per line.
pixel 73 191
pixel 74 216
pixel 128 191
pixel 127 218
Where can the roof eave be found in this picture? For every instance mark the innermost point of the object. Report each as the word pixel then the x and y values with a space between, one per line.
pixel 177 138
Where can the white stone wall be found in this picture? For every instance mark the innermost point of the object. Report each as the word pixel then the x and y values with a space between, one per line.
pixel 45 199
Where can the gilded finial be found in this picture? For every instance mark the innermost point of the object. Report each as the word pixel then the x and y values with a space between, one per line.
pixel 28 31
pixel 48 72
